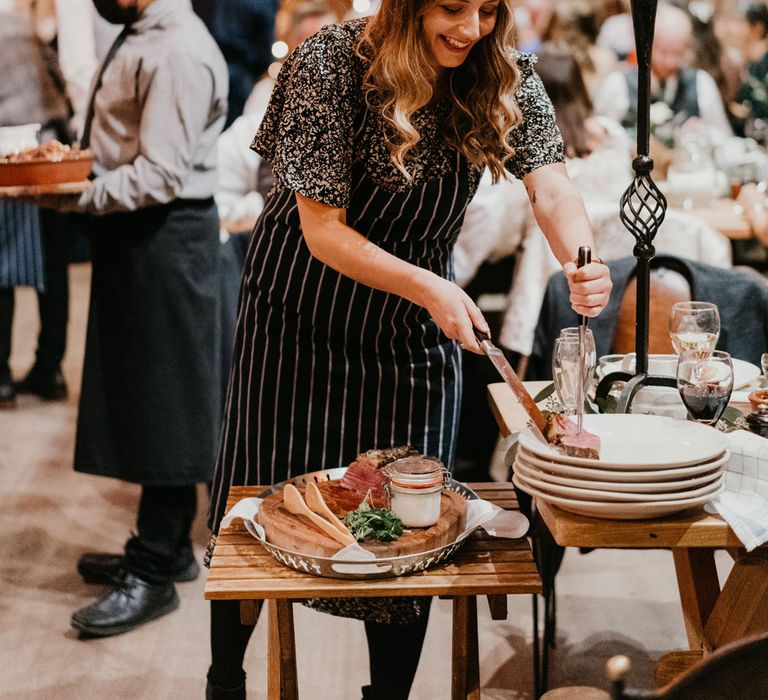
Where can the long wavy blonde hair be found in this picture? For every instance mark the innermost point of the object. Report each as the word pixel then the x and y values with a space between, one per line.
pixel 482 89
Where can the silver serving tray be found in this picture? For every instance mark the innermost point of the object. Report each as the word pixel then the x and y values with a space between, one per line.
pixel 383 567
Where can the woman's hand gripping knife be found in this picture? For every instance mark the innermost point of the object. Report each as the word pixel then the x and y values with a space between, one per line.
pixel 559 210
pixel 339 246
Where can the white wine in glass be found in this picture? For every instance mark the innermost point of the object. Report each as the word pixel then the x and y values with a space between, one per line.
pixel 694 326
pixel 694 341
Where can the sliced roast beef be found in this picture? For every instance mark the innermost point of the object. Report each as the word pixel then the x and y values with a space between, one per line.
pixel 562 434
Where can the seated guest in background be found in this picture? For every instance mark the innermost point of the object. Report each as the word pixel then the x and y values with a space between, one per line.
pixel 150 401
pixel 688 92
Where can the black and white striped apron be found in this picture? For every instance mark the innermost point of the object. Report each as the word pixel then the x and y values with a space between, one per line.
pixel 324 367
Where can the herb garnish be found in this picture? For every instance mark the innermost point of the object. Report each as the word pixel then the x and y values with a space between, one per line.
pixel 366 522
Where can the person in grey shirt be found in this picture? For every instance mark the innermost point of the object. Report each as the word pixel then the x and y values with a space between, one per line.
pixel 150 400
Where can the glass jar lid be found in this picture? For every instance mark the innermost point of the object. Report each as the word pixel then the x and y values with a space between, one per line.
pixel 416 472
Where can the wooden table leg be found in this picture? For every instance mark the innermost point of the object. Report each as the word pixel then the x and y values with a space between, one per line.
pixel 249 611
pixel 465 684
pixel 281 652
pixel 497 604
pixel 742 608
pixel 699 591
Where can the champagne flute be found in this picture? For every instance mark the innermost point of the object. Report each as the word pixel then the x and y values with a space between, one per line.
pixel 705 384
pixel 565 366
pixel 694 326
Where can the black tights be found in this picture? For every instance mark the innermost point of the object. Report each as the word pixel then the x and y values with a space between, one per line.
pixel 394 651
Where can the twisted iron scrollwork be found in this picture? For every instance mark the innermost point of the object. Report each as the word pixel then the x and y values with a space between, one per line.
pixel 643 207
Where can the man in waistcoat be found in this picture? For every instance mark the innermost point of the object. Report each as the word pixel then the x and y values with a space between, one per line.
pixel 688 92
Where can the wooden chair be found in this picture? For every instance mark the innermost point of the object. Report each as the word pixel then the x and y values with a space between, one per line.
pixel 734 672
pixel 668 286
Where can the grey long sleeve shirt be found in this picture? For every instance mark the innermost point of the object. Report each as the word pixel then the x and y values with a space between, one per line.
pixel 158 114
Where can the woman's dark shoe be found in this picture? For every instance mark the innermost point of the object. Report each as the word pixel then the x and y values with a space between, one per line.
pixel 7 393
pixel 129 604
pixel 47 385
pixel 105 569
pixel 217 692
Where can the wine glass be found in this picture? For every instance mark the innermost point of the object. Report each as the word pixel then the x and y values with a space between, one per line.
pixel 705 384
pixel 694 325
pixel 565 366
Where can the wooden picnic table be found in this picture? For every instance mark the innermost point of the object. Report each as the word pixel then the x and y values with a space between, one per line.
pixel 713 615
pixel 242 570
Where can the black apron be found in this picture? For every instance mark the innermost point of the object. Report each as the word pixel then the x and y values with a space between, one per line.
pixel 151 397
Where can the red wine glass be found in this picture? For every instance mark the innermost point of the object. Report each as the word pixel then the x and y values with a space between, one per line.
pixel 705 384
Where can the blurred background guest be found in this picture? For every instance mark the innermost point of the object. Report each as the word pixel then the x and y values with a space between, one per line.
pixel 150 404
pixel 245 32
pixel 753 93
pixel 574 26
pixel 687 92
pixel 31 91
pixel 616 31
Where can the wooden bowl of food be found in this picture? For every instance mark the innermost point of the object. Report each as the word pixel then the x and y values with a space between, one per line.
pixel 49 164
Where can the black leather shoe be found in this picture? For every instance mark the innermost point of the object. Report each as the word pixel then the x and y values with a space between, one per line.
pixel 47 385
pixel 7 393
pixel 131 603
pixel 105 569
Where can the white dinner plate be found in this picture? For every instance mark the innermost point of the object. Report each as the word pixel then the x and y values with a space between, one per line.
pixel 531 472
pixel 616 511
pixel 628 441
pixel 583 493
pixel 744 373
pixel 597 472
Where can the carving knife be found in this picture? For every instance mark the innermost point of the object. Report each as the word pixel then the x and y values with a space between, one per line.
pixel 496 356
pixel 585 257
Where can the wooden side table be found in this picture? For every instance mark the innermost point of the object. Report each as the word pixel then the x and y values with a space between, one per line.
pixel 714 615
pixel 242 570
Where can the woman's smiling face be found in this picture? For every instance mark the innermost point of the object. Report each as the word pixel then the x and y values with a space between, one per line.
pixel 453 27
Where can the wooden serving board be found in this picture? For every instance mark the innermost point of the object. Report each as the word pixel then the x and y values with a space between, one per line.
pixel 297 533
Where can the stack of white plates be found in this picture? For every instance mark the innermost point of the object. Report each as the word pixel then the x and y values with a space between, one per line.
pixel 649 466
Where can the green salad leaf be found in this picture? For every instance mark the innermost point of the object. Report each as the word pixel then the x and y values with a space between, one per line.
pixel 366 522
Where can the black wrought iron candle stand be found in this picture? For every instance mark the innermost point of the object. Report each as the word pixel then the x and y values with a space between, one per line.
pixel 643 207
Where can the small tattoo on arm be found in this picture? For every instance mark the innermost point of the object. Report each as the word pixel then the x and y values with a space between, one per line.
pixel 533 197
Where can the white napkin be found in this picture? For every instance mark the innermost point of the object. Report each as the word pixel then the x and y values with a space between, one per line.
pixel 743 503
pixel 496 521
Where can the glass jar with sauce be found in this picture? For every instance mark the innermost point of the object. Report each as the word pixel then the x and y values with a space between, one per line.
pixel 415 488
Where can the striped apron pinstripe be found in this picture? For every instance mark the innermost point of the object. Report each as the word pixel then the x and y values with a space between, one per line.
pixel 21 253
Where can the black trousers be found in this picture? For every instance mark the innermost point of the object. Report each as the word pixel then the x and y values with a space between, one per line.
pixel 394 652
pixel 6 323
pixel 53 303
pixel 163 528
